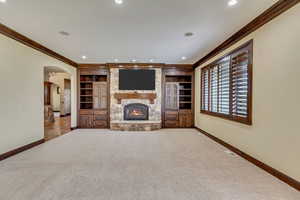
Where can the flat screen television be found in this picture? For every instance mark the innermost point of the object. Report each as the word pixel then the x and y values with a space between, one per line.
pixel 136 79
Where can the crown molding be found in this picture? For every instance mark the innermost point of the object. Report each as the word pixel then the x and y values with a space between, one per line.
pixel 35 45
pixel 278 8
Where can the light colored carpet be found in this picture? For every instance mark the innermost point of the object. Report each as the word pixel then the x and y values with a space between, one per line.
pixel 171 164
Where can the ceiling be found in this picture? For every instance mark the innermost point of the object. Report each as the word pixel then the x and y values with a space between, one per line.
pixel 138 29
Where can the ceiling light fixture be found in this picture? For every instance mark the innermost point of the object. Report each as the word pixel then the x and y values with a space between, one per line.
pixel 3 1
pixel 133 60
pixel 116 60
pixel 83 57
pixel 183 58
pixel 119 2
pixel 232 2
pixel 151 60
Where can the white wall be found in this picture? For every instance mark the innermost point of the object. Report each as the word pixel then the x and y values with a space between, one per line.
pixel 21 93
pixel 274 137
pixel 59 79
pixel 55 98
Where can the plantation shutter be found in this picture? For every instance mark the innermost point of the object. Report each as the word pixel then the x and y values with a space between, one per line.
pixel 214 81
pixel 205 89
pixel 227 86
pixel 240 84
pixel 224 76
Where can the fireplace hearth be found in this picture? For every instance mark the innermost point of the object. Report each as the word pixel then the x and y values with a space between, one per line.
pixel 136 111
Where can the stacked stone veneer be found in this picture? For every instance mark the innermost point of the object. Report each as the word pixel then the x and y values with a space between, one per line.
pixel 117 110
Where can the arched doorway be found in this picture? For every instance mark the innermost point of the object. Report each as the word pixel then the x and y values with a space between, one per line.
pixel 57 102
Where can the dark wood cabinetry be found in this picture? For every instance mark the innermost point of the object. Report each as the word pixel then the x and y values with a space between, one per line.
pixel 93 97
pixel 178 98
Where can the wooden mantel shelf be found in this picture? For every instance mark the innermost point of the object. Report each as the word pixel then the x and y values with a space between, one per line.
pixel 135 95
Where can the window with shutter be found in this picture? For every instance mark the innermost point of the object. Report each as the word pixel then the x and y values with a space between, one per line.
pixel 226 86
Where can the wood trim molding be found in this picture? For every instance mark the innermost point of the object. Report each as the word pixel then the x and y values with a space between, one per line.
pixel 135 95
pixel 96 65
pixel 283 177
pixel 30 43
pixel 268 15
pixel 21 149
pixel 74 128
pixel 179 66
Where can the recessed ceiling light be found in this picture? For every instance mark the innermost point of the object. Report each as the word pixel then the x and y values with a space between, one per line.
pixel 188 34
pixel 133 60
pixel 183 58
pixel 232 2
pixel 151 60
pixel 83 57
pixel 119 2
pixel 2 1
pixel 116 60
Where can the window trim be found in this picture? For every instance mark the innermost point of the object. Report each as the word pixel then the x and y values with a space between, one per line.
pixel 248 120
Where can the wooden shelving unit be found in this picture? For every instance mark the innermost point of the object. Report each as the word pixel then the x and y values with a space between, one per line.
pixel 178 99
pixel 87 87
pixel 93 98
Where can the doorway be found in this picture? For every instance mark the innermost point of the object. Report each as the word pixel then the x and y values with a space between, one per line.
pixel 57 102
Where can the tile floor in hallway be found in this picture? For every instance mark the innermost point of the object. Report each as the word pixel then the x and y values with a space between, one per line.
pixel 170 164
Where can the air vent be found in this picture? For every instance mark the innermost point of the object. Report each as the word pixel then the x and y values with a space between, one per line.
pixel 232 154
pixel 64 33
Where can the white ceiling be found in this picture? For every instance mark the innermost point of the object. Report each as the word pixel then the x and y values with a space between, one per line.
pixel 138 29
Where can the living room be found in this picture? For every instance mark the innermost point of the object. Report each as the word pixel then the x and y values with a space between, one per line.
pixel 163 100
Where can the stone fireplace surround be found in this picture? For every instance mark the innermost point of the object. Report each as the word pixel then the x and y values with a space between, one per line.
pixel 117 121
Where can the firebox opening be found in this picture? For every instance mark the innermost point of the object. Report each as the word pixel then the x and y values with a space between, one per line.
pixel 136 112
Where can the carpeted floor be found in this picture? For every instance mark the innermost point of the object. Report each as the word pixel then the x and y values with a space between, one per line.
pixel 171 164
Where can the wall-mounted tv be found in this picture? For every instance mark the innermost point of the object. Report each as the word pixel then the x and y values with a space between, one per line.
pixel 136 79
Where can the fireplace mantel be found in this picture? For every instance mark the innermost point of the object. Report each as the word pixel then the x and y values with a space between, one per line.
pixel 135 95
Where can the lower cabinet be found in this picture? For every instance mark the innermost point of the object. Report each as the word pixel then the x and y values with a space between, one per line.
pixel 86 121
pixel 178 119
pixel 93 119
pixel 100 119
pixel 185 119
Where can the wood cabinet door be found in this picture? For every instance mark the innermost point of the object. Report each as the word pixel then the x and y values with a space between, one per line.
pixel 86 121
pixel 100 95
pixel 100 119
pixel 171 96
pixel 185 119
pixel 171 124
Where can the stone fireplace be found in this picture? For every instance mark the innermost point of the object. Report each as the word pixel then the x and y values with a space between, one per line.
pixel 136 111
